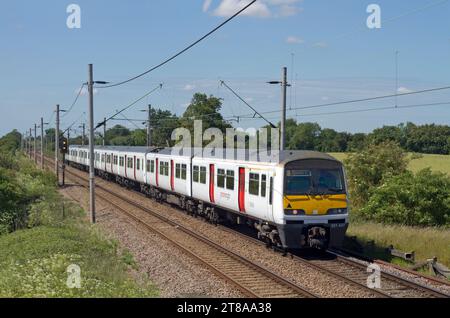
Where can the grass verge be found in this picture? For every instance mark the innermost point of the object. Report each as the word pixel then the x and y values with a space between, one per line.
pixel 34 263
pixel 425 242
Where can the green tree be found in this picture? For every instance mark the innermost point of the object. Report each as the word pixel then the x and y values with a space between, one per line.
pixel 305 137
pixel 388 133
pixel 369 168
pixel 357 142
pixel 163 123
pixel 422 199
pixel 207 109
pixel 427 138
pixel 10 142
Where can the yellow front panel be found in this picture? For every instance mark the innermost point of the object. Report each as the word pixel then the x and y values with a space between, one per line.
pixel 315 204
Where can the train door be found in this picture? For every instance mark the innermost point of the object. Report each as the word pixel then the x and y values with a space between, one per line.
pixel 157 172
pixel 126 166
pixel 241 195
pixel 134 167
pixel 172 176
pixel 211 183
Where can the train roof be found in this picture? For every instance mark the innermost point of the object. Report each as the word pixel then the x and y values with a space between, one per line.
pixel 283 157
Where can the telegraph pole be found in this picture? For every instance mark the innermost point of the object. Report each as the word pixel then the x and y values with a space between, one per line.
pixel 31 138
pixel 149 127
pixel 284 85
pixel 57 144
pixel 84 133
pixel 42 143
pixel 35 144
pixel 104 132
pixel 91 143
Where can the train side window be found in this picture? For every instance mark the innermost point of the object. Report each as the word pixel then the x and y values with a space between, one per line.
pixel 230 179
pixel 152 166
pixel 183 172
pixel 271 191
pixel 196 174
pixel 161 168
pixel 203 175
pixel 147 168
pixel 178 171
pixel 263 185
pixel 220 178
pixel 103 157
pixel 253 184
pixel 138 164
pixel 167 169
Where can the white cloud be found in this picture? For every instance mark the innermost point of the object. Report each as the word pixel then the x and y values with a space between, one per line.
pixel 260 9
pixel 404 90
pixel 206 5
pixel 189 87
pixel 229 7
pixel 294 40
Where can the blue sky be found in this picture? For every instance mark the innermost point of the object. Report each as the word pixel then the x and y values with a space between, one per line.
pixel 336 57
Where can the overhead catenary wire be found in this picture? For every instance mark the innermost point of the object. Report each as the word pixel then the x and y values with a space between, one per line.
pixel 362 110
pixel 246 103
pixel 183 50
pixel 357 100
pixel 75 122
pixel 75 101
pixel 129 106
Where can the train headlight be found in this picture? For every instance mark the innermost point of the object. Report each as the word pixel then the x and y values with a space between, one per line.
pixel 337 211
pixel 294 212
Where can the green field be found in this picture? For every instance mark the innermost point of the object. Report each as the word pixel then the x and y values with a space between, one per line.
pixel 435 162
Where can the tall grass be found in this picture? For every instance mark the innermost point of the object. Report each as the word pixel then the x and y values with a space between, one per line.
pixel 426 242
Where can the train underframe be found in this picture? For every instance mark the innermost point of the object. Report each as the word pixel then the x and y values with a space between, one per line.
pixel 280 237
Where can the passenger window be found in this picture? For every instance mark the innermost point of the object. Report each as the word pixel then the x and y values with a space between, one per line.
pixel 203 175
pixel 196 174
pixel 138 164
pixel 230 179
pixel 152 166
pixel 183 172
pixel 177 171
pixel 161 168
pixel 221 178
pixel 263 185
pixel 254 184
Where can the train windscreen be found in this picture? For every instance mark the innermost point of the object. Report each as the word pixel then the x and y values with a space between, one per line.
pixel 314 177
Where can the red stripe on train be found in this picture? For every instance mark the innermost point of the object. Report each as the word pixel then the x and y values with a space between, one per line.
pixel 211 183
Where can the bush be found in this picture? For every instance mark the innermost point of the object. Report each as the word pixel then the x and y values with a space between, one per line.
pixel 422 199
pixel 368 169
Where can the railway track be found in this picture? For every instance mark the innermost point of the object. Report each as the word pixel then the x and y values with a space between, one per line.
pixel 355 273
pixel 252 279
pixel 332 263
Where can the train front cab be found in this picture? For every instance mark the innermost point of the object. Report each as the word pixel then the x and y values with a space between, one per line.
pixel 315 204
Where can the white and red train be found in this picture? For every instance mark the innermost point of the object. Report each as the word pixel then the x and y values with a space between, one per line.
pixel 299 200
